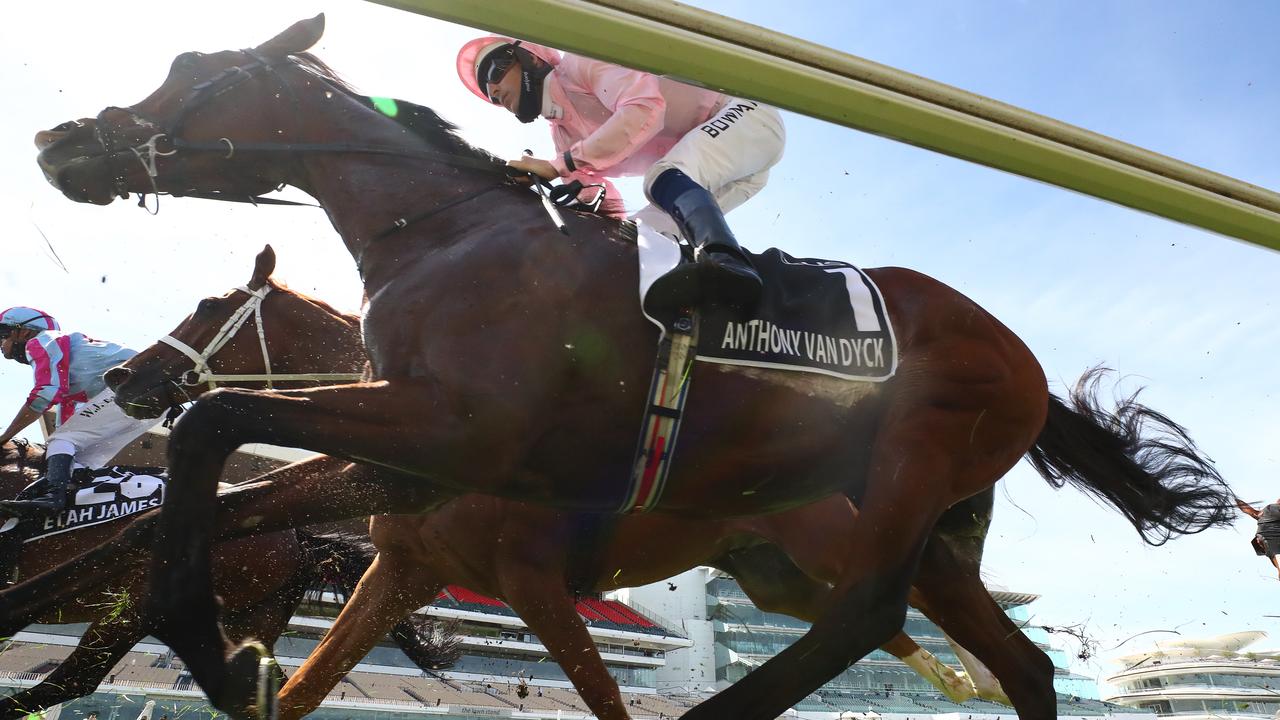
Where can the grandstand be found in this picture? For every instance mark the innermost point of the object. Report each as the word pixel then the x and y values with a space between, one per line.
pixel 501 662
pixel 732 637
pixel 505 672
pixel 1199 678
pixel 150 672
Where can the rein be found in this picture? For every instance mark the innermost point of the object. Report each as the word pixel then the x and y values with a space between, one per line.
pixel 252 308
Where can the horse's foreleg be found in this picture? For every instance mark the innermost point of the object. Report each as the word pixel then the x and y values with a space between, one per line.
pixel 543 601
pixel 265 618
pixel 956 600
pixel 391 588
pixel 182 605
pixel 100 648
pixel 404 425
pixel 953 685
pixel 985 684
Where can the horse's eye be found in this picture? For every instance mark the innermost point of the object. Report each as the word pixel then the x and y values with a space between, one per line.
pixel 206 306
pixel 185 62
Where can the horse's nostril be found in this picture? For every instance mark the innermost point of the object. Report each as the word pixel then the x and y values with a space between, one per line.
pixel 116 377
pixel 45 138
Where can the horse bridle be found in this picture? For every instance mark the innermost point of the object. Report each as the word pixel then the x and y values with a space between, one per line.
pixel 200 373
pixel 148 152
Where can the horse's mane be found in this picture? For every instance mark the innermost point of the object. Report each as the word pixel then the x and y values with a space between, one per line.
pixel 420 120
pixel 426 124
pixel 352 321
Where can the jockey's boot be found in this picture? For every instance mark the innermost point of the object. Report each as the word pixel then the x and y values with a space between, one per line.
pixel 721 271
pixel 54 499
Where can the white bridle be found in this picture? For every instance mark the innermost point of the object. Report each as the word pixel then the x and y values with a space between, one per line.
pixel 251 308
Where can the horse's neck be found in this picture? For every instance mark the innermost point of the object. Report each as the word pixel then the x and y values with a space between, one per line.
pixel 344 354
pixel 395 211
pixel 366 195
pixel 348 353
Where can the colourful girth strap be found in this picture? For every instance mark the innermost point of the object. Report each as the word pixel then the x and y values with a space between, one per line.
pixel 667 395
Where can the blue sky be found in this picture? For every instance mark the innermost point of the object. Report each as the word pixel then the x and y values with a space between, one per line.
pixel 1190 315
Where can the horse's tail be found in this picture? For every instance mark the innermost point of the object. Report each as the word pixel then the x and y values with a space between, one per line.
pixel 1136 459
pixel 339 561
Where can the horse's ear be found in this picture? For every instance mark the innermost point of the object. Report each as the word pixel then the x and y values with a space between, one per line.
pixel 297 38
pixel 263 266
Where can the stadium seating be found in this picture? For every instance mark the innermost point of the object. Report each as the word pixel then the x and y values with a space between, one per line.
pixel 28 657
pixel 474 601
pixel 655 705
pixel 30 662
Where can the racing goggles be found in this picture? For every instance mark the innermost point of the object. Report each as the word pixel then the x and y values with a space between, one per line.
pixel 495 67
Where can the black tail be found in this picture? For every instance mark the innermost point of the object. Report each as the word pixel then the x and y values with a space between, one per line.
pixel 1136 459
pixel 340 560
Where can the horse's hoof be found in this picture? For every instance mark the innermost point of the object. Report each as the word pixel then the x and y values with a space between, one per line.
pixel 252 683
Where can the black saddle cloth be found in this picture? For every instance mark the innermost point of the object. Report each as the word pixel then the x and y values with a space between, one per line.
pixel 820 316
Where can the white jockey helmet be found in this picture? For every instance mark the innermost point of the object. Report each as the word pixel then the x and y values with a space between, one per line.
pixel 22 317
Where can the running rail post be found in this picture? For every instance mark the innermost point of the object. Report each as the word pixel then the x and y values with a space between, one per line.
pixel 672 39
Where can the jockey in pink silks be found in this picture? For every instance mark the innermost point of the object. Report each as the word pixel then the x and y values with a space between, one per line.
pixel 702 153
pixel 68 370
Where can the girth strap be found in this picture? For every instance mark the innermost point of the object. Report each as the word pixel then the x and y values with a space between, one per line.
pixel 661 426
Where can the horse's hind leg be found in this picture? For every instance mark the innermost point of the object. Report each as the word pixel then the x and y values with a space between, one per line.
pixel 929 452
pixel 391 588
pixel 867 607
pixel 955 599
pixel 100 648
pixel 775 584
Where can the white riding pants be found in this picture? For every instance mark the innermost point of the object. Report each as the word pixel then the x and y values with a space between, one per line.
pixel 97 431
pixel 730 155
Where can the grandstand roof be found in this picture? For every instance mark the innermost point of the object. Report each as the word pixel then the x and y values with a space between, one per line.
pixel 1218 645
pixel 1011 599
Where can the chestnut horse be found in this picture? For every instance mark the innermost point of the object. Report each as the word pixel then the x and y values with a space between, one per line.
pixel 510 360
pixel 532 569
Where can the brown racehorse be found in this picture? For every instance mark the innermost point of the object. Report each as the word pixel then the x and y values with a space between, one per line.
pixel 261 578
pixel 525 553
pixel 511 360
